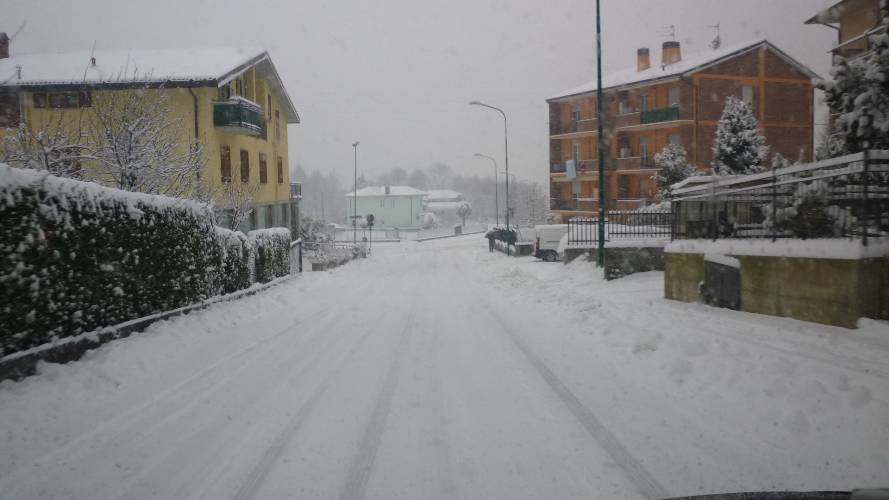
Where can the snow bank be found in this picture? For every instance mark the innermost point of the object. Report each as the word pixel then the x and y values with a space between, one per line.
pixel 815 249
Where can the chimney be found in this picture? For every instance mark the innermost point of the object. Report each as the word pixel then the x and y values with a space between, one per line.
pixel 643 61
pixel 93 62
pixel 671 53
pixel 4 46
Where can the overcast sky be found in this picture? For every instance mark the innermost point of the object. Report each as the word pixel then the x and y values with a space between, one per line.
pixel 397 74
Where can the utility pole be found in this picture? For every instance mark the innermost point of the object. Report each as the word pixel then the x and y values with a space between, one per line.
pixel 600 151
pixel 355 199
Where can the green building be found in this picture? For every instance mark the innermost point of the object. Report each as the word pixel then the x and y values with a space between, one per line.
pixel 391 206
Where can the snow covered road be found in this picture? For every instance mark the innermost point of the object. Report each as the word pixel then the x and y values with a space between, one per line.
pixel 438 370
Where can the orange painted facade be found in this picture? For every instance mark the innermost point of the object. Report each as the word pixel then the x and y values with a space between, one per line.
pixel 641 118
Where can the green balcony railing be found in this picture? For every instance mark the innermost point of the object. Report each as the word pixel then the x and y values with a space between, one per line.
pixel 238 116
pixel 659 115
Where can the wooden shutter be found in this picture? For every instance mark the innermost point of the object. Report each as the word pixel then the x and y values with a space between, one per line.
pixel 225 155
pixel 245 166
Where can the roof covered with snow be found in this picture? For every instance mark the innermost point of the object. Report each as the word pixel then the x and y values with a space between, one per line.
pixel 170 67
pixel 393 191
pixel 443 195
pixel 695 62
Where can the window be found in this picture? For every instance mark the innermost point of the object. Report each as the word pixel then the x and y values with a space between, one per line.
pixel 643 187
pixel 277 125
pixel 40 100
pixel 643 103
pixel 269 216
pixel 575 153
pixel 643 147
pixel 623 145
pixel 747 94
pixel 575 190
pixel 225 92
pixel 225 164
pixel 57 100
pixel 280 170
pixel 245 166
pixel 575 113
pixel 673 138
pixel 623 103
pixel 673 97
pixel 382 203
pixel 268 109
pixel 623 187
pixel 263 169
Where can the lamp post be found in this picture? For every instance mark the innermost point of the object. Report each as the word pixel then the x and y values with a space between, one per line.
pixel 496 190
pixel 600 153
pixel 514 181
pixel 505 154
pixel 355 198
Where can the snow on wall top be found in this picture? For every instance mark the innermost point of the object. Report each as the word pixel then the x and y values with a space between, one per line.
pixel 393 191
pixel 142 65
pixel 630 76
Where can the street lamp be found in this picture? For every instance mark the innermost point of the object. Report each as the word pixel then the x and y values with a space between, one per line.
pixel 355 198
pixel 515 180
pixel 505 153
pixel 496 195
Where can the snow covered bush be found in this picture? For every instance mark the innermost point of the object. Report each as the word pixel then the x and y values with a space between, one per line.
pixel 673 167
pixel 810 215
pixel 859 95
pixel 272 248
pixel 237 254
pixel 739 147
pixel 76 256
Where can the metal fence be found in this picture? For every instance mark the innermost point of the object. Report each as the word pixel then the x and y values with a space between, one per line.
pixel 621 225
pixel 845 197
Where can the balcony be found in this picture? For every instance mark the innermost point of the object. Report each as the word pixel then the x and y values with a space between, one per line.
pixel 557 168
pixel 659 115
pixel 586 125
pixel 635 163
pixel 579 205
pixel 296 190
pixel 583 167
pixel 238 116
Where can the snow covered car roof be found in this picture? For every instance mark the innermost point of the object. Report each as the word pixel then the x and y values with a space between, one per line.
pixel 695 62
pixel 170 67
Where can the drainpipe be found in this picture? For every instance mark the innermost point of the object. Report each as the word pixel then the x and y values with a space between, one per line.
pixel 195 98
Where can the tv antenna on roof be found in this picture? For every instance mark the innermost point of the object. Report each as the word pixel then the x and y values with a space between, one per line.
pixel 717 42
pixel 668 32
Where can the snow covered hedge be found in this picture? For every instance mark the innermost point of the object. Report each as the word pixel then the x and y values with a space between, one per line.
pixel 76 256
pixel 272 253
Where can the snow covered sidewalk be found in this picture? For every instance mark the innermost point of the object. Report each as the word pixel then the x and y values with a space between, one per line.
pixel 438 370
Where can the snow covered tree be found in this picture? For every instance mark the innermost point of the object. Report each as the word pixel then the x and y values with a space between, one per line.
pixel 52 146
pixel 739 147
pixel 859 95
pixel 672 164
pixel 464 210
pixel 136 141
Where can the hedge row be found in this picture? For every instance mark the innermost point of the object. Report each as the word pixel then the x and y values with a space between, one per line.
pixel 76 256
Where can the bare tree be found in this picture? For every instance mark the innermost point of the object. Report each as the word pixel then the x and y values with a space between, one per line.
pixel 136 142
pixel 233 203
pixel 54 146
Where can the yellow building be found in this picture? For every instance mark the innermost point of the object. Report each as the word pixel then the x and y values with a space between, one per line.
pixel 855 22
pixel 231 100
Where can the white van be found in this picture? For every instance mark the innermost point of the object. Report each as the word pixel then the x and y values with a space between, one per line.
pixel 546 244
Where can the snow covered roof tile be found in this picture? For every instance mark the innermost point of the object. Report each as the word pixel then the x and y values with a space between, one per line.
pixel 630 76
pixel 216 66
pixel 443 194
pixel 393 191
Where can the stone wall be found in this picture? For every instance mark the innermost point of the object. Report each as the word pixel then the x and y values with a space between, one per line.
pixel 830 291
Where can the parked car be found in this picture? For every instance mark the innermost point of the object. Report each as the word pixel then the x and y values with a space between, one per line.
pixel 546 242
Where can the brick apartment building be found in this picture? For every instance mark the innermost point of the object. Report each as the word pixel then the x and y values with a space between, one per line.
pixel 676 101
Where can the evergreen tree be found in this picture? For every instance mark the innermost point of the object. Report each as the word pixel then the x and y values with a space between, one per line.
pixel 859 95
pixel 673 167
pixel 739 147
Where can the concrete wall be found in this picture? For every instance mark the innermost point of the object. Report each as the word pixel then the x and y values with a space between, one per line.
pixel 830 291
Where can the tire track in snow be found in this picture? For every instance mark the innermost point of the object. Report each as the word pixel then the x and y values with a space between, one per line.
pixel 355 486
pixel 637 473
pixel 258 474
pixel 140 412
